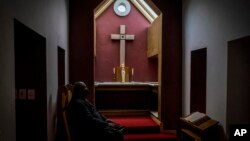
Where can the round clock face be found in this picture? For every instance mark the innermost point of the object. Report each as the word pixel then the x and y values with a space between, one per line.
pixel 122 7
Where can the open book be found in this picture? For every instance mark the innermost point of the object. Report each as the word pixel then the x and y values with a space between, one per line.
pixel 197 118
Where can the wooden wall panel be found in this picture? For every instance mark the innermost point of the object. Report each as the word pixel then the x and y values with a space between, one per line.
pixel 171 63
pixel 81 42
pixel 155 37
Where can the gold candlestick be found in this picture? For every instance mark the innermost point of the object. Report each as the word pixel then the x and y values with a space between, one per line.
pixel 132 74
pixel 114 76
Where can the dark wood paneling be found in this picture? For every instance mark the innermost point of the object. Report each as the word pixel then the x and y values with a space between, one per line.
pixel 171 97
pixel 30 73
pixel 116 100
pixel 198 80
pixel 81 42
pixel 124 97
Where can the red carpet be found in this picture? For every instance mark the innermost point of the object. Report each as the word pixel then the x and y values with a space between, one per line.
pixel 142 128
pixel 137 124
pixel 150 137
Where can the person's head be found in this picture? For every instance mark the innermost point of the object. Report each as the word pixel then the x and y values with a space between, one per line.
pixel 80 89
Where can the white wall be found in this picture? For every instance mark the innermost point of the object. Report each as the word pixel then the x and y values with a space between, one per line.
pixel 211 24
pixel 48 18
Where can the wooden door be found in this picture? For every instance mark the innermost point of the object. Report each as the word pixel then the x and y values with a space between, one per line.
pixel 198 80
pixel 30 83
pixel 238 81
pixel 61 66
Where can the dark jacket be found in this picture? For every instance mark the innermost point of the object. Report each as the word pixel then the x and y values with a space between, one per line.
pixel 86 123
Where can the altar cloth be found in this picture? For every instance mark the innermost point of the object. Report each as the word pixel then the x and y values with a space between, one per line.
pixel 152 84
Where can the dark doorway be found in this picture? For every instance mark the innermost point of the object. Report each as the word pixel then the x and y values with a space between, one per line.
pixel 30 84
pixel 198 80
pixel 61 66
pixel 60 132
pixel 238 82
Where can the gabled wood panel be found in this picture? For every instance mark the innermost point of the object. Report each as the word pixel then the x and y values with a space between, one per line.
pixel 155 37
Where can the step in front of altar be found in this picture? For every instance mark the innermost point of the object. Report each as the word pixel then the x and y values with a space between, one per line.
pixel 142 128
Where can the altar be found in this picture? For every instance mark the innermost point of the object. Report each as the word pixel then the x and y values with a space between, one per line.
pixel 126 95
pixel 124 73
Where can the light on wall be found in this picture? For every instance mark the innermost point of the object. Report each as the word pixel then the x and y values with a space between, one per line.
pixel 122 7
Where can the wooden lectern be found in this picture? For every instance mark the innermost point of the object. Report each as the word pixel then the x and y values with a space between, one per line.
pixel 199 127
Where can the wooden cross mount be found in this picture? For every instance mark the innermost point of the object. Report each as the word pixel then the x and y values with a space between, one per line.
pixel 122 72
pixel 122 37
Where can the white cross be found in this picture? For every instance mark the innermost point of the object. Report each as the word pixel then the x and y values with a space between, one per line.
pixel 122 37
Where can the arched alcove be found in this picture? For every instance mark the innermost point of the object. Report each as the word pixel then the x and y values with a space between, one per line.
pixel 142 54
pixel 81 54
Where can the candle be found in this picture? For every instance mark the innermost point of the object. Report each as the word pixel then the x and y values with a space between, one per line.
pixel 113 70
pixel 132 71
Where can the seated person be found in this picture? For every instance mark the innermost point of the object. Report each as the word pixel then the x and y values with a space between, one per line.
pixel 86 123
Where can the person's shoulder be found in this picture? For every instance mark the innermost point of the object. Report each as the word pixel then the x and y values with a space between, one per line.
pixel 77 101
pixel 77 104
pixel 80 102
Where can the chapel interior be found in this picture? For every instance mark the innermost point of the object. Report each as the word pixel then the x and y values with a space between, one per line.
pixel 152 65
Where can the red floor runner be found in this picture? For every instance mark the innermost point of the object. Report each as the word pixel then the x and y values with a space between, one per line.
pixel 150 137
pixel 142 128
pixel 138 124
